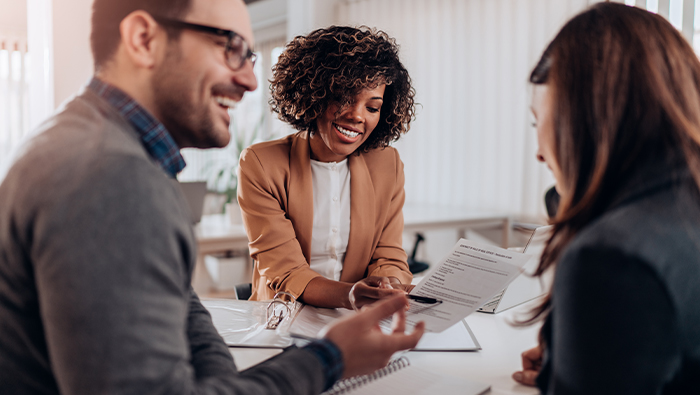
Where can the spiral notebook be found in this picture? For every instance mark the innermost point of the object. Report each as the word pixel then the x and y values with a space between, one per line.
pixel 399 377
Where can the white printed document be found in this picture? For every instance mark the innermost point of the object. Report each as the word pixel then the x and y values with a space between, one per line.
pixel 470 275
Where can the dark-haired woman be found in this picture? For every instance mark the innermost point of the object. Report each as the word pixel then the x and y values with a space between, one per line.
pixel 617 102
pixel 323 207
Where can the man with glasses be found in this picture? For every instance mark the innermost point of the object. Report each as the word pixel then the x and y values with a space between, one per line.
pixel 96 247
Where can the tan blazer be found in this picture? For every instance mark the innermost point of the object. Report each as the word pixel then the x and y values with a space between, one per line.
pixel 275 191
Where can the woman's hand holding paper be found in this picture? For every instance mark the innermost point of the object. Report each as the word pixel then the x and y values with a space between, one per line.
pixel 372 289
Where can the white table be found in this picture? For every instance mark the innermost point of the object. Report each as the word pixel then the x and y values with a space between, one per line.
pixel 500 355
pixel 215 235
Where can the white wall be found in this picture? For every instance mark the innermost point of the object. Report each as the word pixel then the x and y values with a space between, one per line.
pixel 269 19
pixel 472 144
pixel 14 64
pixel 58 33
pixel 13 18
pixel 306 15
pixel 71 47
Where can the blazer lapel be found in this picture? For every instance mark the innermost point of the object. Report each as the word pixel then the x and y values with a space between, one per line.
pixel 362 217
pixel 301 192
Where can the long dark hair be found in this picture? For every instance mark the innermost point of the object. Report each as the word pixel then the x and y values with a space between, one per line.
pixel 626 91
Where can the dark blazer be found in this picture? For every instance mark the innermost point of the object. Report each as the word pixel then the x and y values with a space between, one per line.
pixel 626 297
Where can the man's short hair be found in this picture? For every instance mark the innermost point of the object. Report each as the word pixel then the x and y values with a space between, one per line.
pixel 108 14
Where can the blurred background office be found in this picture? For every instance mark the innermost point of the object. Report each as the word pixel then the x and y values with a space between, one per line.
pixel 472 144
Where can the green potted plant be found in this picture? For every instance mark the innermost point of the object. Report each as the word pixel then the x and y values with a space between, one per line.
pixel 223 170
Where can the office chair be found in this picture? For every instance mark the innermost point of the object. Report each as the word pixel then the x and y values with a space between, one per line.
pixel 413 265
pixel 243 291
pixel 551 201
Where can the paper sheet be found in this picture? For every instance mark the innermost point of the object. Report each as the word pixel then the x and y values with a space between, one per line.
pixel 468 277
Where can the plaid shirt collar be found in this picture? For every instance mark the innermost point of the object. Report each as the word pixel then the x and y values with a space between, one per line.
pixel 155 138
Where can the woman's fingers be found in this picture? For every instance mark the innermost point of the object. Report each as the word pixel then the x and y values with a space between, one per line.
pixel 526 377
pixel 532 358
pixel 532 363
pixel 363 292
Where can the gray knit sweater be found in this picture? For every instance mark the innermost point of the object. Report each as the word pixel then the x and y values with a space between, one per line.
pixel 96 255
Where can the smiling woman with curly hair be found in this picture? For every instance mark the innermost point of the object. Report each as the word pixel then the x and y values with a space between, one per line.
pixel 333 65
pixel 323 207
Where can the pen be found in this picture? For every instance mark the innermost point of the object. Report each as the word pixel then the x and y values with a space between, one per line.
pixel 423 299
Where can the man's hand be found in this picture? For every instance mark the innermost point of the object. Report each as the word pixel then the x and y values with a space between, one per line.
pixel 364 346
pixel 532 363
pixel 373 288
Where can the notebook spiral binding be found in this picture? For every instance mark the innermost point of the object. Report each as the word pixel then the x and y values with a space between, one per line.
pixel 348 385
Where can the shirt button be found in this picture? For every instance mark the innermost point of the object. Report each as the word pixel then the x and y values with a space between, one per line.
pixel 333 167
pixel 334 230
pixel 334 256
pixel 335 198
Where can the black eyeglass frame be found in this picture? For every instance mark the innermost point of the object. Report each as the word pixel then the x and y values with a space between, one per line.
pixel 230 34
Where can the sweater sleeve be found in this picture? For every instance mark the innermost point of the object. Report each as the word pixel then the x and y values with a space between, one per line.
pixel 614 329
pixel 111 261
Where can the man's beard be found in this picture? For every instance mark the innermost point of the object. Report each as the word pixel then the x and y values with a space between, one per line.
pixel 176 99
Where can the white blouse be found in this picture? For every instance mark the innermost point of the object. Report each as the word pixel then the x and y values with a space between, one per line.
pixel 331 231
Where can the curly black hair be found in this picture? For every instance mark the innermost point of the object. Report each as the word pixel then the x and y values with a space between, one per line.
pixel 333 65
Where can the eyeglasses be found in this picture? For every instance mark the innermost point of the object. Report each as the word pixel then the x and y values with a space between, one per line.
pixel 237 49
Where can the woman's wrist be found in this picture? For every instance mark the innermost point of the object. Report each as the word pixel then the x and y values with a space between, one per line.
pixel 347 288
pixel 322 292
